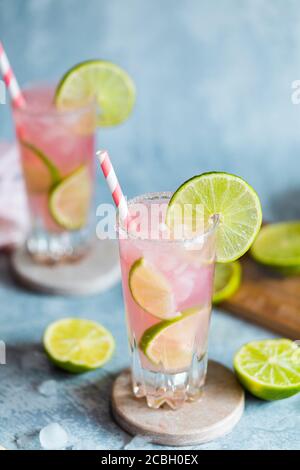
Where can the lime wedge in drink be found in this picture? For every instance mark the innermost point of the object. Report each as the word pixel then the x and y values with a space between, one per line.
pixel 70 200
pixel 151 290
pixel 227 280
pixel 170 343
pixel 278 245
pixel 224 195
pixel 41 174
pixel 78 345
pixel 110 85
pixel 269 369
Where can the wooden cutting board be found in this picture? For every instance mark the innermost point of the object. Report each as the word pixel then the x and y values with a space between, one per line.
pixel 268 299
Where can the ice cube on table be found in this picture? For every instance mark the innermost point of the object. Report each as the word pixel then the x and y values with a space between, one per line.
pixel 138 442
pixel 53 437
pixel 48 388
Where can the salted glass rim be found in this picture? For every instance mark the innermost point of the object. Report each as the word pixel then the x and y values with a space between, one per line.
pixel 151 196
pixel 52 112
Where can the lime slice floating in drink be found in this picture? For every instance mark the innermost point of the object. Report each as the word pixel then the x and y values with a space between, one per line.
pixel 170 343
pixel 151 290
pixel 269 369
pixel 41 174
pixel 70 200
pixel 227 280
pixel 278 245
pixel 78 345
pixel 230 198
pixel 110 85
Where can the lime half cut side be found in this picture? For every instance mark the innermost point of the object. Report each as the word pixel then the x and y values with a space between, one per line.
pixel 226 281
pixel 288 270
pixel 69 201
pixel 104 81
pixel 170 343
pixel 269 369
pixel 226 196
pixel 151 290
pixel 78 345
pixel 278 245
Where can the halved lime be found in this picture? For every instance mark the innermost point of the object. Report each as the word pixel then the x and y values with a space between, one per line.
pixel 288 270
pixel 78 345
pixel 170 343
pixel 151 290
pixel 269 369
pixel 70 200
pixel 227 280
pixel 41 174
pixel 278 245
pixel 110 85
pixel 230 198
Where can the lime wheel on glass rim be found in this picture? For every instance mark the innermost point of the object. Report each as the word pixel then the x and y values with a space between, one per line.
pixel 99 80
pixel 231 199
pixel 78 345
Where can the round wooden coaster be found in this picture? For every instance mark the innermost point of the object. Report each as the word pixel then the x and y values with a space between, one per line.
pixel 214 415
pixel 97 271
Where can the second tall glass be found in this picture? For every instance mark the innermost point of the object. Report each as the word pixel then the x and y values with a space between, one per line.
pixel 57 153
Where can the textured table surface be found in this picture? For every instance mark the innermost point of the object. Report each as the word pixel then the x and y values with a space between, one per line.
pixel 214 92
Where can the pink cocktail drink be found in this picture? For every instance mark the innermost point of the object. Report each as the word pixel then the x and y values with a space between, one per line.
pixel 57 153
pixel 167 286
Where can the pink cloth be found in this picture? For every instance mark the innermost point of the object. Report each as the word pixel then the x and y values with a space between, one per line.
pixel 14 217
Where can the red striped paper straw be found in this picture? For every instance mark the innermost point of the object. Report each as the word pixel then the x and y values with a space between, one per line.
pixel 10 79
pixel 114 186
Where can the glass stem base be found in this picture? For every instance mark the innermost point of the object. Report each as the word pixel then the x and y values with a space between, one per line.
pixel 52 248
pixel 173 389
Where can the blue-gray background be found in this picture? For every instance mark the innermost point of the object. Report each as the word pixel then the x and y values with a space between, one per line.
pixel 213 82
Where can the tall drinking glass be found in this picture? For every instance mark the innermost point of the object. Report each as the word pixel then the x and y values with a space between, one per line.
pixel 167 287
pixel 57 154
